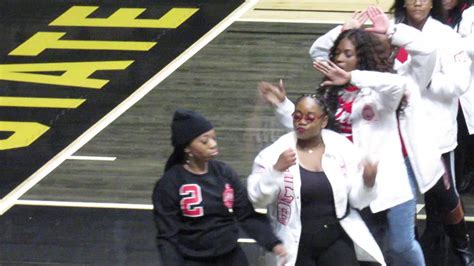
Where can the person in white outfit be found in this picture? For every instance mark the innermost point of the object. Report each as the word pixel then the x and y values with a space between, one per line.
pixel 375 130
pixel 450 80
pixel 461 19
pixel 310 180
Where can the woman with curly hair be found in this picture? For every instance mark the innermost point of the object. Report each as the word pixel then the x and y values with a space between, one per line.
pixel 369 118
pixel 366 109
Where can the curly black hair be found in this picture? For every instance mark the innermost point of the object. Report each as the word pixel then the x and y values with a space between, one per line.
pixel 371 55
pixel 370 51
pixel 437 11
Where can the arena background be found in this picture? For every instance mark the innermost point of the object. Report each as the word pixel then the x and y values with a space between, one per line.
pixel 87 92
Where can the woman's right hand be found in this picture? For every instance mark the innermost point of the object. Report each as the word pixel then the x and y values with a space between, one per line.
pixel 280 251
pixel 286 159
pixel 334 74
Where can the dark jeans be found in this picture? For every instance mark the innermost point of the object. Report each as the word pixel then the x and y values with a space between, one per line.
pixel 236 257
pixel 329 245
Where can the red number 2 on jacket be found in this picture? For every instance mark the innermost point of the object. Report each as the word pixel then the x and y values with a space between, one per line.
pixel 193 197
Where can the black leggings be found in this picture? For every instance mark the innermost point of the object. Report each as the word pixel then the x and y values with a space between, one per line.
pixel 329 246
pixel 236 257
pixel 443 197
pixel 464 156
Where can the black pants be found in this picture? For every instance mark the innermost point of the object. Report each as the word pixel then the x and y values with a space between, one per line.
pixel 440 200
pixel 236 257
pixel 329 245
pixel 464 155
pixel 443 197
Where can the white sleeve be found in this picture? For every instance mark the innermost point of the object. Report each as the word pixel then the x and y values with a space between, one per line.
pixel 322 45
pixel 264 182
pixel 452 74
pixel 389 86
pixel 466 26
pixel 360 195
pixel 468 42
pixel 422 52
pixel 283 113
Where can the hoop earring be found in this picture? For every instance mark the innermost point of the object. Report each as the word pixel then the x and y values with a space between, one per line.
pixel 188 158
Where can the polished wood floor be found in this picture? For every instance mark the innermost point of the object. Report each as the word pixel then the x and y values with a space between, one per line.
pixel 220 81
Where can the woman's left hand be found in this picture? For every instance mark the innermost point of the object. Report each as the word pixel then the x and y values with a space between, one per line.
pixel 380 21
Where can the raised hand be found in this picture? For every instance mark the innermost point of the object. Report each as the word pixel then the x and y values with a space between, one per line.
pixel 357 20
pixel 286 159
pixel 271 93
pixel 380 21
pixel 334 74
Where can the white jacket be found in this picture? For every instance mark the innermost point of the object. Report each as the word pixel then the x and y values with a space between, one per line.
pixel 280 192
pixel 425 158
pixel 415 125
pixel 466 30
pixel 375 133
pixel 449 81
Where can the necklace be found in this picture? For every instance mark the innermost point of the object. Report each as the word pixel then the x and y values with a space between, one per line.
pixel 312 149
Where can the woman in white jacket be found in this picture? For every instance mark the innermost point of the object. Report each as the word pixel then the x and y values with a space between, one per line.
pixel 372 121
pixel 310 180
pixel 461 19
pixel 449 81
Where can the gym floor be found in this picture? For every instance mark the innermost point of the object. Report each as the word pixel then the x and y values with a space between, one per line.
pixel 77 192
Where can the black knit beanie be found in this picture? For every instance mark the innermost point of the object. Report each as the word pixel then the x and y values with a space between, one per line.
pixel 186 126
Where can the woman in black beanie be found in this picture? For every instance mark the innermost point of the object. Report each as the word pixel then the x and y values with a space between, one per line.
pixel 193 198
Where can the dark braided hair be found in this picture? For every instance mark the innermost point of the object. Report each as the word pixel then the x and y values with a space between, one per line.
pixel 177 157
pixel 371 55
pixel 437 12
pixel 321 102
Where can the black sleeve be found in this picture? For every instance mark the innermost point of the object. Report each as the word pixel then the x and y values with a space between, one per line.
pixel 256 225
pixel 166 216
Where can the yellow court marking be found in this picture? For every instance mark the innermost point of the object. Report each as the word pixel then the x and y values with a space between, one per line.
pixel 123 18
pixel 52 40
pixel 38 102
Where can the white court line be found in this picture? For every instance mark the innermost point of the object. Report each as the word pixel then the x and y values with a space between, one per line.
pixel 246 240
pixel 139 207
pixel 10 199
pixel 91 158
pixel 80 204
pixel 85 204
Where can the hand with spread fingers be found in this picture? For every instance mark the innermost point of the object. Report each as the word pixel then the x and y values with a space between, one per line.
pixel 358 19
pixel 380 21
pixel 271 93
pixel 334 74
